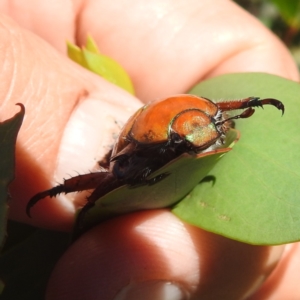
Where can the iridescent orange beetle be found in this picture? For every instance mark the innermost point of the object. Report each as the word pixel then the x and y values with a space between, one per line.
pixel 156 134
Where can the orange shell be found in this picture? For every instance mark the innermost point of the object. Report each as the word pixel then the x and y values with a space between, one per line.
pixel 122 141
pixel 152 124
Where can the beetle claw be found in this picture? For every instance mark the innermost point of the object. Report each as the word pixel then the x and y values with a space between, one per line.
pixel 278 104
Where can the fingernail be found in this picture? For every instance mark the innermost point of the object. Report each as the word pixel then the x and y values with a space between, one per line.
pixel 149 290
pixel 90 133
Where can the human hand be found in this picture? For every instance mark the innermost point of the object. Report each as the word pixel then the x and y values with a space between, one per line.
pixel 166 47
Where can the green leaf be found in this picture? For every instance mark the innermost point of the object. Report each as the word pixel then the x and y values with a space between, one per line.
pixel 255 198
pixel 90 58
pixel 75 54
pixel 290 11
pixel 8 134
pixel 184 174
pixel 108 69
pixel 91 45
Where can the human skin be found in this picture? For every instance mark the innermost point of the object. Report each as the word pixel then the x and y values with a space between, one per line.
pixel 166 47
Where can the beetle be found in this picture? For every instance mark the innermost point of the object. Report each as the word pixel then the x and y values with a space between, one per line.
pixel 156 134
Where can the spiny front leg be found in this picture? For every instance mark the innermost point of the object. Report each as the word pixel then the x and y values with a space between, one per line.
pixel 74 184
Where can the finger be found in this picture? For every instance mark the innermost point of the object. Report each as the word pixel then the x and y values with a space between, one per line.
pixel 53 21
pixel 150 254
pixel 167 47
pixel 51 87
pixel 284 281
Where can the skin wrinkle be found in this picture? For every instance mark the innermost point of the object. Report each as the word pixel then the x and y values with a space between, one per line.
pixel 30 17
pixel 42 90
pixel 246 46
pixel 11 51
pixel 250 66
pixel 78 8
pixel 157 234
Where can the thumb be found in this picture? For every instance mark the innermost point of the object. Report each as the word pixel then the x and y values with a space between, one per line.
pixel 154 255
pixel 57 94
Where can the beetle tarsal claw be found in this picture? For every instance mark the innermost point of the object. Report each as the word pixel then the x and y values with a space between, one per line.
pixel 271 101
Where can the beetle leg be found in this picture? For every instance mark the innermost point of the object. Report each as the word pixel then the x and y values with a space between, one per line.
pixel 249 102
pixel 108 184
pixel 74 184
pixel 79 227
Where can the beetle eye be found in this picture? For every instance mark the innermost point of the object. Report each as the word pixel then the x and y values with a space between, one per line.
pixel 196 127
